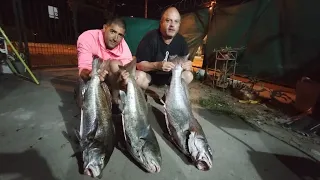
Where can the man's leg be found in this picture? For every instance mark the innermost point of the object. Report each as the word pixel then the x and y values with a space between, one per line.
pixel 143 79
pixel 187 76
pixel 162 81
pixel 112 80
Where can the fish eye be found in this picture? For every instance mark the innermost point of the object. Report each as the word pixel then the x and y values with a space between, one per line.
pixel 102 158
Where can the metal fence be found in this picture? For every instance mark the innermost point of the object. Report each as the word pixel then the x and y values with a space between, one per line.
pixel 46 30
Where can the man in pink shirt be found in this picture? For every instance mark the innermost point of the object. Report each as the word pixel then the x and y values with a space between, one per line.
pixel 107 43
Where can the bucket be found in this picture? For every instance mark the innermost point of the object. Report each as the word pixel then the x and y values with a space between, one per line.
pixel 200 74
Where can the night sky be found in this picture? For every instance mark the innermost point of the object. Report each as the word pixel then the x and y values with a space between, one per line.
pixel 155 7
pixel 136 8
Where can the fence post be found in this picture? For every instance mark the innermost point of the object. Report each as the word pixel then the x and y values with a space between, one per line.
pixel 17 21
pixel 21 30
pixel 74 9
pixel 24 35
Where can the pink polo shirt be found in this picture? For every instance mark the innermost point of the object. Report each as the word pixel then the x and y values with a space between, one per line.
pixel 91 43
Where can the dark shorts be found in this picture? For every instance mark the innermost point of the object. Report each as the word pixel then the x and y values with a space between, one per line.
pixel 160 78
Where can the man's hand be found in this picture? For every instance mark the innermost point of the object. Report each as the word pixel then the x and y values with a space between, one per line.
pixel 167 66
pixel 187 66
pixel 102 74
pixel 103 70
pixel 123 78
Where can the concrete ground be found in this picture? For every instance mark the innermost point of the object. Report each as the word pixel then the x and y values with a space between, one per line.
pixel 35 145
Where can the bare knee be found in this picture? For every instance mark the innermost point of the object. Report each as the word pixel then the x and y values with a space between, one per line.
pixel 114 66
pixel 187 76
pixel 143 79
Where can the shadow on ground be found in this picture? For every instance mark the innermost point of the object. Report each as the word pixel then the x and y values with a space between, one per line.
pixel 265 163
pixel 8 84
pixel 64 86
pixel 304 168
pixel 28 164
pixel 233 123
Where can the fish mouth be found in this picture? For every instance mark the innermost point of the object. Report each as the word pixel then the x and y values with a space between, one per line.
pixel 92 172
pixel 153 167
pixel 203 165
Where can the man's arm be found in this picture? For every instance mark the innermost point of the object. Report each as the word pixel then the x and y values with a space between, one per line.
pixel 149 66
pixel 85 56
pixel 144 55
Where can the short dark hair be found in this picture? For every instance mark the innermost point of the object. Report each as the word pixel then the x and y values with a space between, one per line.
pixel 118 21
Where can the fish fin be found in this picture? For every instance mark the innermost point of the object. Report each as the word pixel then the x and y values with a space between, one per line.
pixel 79 140
pixel 126 139
pixel 122 101
pixel 96 63
pixel 77 133
pixel 81 123
pixel 191 141
pixel 91 134
pixel 130 67
pixel 145 133
pixel 166 91
pixel 167 120
pixel 163 103
pixel 177 60
pixel 195 126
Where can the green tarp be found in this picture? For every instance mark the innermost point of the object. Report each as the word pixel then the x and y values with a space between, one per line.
pixel 281 38
pixel 136 29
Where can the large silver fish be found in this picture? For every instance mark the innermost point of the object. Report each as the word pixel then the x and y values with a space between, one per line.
pixel 140 138
pixel 97 134
pixel 184 129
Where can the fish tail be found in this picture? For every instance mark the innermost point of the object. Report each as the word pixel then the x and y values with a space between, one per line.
pixel 178 60
pixel 130 67
pixel 96 64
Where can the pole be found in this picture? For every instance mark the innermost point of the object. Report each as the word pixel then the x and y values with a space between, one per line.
pixel 146 9
pixel 16 52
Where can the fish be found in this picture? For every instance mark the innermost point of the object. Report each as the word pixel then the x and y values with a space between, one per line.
pixel 97 131
pixel 140 139
pixel 184 129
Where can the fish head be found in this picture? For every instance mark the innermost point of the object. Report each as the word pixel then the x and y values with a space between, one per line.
pixel 151 157
pixel 200 151
pixel 178 61
pixel 94 161
pixel 148 156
